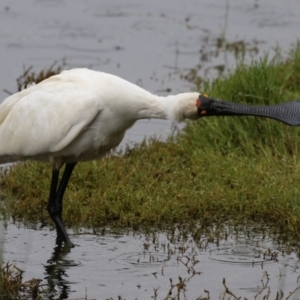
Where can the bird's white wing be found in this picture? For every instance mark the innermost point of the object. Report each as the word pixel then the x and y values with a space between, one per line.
pixel 45 121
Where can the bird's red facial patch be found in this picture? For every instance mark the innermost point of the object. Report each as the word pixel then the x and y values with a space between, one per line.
pixel 198 102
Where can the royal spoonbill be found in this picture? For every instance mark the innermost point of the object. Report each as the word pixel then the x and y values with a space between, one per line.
pixel 78 115
pixel 81 114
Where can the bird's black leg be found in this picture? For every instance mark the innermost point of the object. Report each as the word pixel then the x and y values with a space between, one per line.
pixel 55 201
pixel 60 193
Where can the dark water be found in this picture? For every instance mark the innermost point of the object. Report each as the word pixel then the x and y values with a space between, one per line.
pixel 152 44
pixel 132 266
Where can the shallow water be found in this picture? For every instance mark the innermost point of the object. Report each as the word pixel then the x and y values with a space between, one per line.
pixel 149 43
pixel 132 266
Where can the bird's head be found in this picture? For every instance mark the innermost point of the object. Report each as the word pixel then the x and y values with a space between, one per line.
pixel 193 106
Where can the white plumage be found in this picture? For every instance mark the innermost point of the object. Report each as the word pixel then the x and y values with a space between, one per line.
pixel 79 115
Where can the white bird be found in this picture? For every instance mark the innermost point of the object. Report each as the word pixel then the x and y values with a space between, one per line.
pixel 79 115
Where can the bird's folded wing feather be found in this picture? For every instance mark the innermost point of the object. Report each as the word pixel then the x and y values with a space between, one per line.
pixel 44 122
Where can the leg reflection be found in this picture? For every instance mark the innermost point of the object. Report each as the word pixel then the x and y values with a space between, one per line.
pixel 56 275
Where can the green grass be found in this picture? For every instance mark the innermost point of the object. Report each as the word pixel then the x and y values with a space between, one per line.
pixel 220 169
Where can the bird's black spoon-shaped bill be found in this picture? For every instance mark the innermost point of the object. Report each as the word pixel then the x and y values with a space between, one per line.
pixel 288 113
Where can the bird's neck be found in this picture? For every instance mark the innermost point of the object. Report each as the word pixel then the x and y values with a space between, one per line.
pixel 150 106
pixel 174 107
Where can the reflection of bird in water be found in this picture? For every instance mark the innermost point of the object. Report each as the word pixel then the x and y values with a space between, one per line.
pixel 56 273
pixel 78 115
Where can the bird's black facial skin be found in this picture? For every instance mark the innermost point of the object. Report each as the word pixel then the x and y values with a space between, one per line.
pixel 205 106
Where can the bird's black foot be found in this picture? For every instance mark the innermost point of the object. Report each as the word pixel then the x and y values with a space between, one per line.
pixel 59 238
pixel 62 235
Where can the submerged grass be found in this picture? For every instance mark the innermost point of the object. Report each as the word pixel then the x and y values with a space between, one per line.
pixel 225 169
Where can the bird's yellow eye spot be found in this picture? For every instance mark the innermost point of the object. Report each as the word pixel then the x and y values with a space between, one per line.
pixel 203 112
pixel 205 95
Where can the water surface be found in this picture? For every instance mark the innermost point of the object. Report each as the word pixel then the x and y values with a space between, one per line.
pixel 133 265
